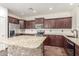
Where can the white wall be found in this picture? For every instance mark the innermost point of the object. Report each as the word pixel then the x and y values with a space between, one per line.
pixel 53 15
pixel 10 14
pixel 3 22
pixel 3 25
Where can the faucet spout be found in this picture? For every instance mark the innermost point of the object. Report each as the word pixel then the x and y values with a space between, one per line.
pixel 76 32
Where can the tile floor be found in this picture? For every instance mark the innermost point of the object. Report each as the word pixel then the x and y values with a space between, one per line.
pixel 54 51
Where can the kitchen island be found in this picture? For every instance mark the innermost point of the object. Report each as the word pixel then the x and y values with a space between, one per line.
pixel 24 45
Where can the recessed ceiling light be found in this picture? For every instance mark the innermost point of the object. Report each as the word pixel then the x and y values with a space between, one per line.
pixel 50 8
pixel 71 4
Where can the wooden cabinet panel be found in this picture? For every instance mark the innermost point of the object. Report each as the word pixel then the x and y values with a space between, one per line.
pixel 68 22
pixel 30 24
pixel 59 41
pixel 54 40
pixel 13 20
pixel 76 50
pixel 66 45
pixel 59 23
pixel 39 20
pixel 64 22
pixel 22 24
pixel 49 23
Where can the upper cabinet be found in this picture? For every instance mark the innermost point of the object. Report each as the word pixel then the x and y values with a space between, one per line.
pixel 58 23
pixel 30 24
pixel 13 20
pixel 39 20
pixel 68 22
pixel 54 23
pixel 22 24
pixel 64 22
pixel 49 23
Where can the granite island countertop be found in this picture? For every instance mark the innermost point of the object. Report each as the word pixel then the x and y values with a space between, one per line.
pixel 34 41
pixel 24 41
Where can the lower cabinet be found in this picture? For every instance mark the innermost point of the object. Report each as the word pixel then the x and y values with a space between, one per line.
pixel 76 50
pixel 61 41
pixel 54 40
pixel 69 47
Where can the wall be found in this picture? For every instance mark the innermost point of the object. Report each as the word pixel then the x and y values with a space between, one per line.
pixel 12 15
pixel 3 25
pixel 75 14
pixel 3 22
pixel 54 15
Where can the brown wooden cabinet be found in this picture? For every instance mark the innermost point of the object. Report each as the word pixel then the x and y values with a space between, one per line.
pixel 22 24
pixel 49 23
pixel 30 24
pixel 54 40
pixel 66 45
pixel 39 20
pixel 13 20
pixel 58 23
pixel 76 50
pixel 59 41
pixel 68 22
pixel 63 22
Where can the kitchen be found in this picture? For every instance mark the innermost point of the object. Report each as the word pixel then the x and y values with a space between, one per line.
pixel 48 30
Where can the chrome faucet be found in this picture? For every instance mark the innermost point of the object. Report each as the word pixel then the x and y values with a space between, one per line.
pixel 76 32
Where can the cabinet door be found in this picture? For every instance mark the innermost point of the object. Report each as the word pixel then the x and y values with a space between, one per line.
pixel 49 23
pixel 59 23
pixel 59 41
pixel 30 24
pixel 39 20
pixel 27 24
pixel 68 22
pixel 64 22
pixel 55 40
pixel 65 43
pixel 52 40
pixel 22 24
pixel 76 50
pixel 13 20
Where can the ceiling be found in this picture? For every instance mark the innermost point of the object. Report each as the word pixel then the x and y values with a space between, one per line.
pixel 22 9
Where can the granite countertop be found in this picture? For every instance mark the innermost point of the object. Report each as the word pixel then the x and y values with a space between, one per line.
pixel 34 41
pixel 24 41
pixel 74 40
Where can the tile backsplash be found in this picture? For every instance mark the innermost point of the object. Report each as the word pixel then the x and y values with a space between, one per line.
pixel 47 31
